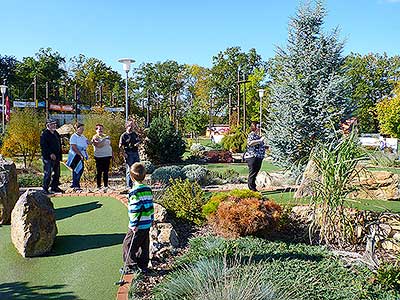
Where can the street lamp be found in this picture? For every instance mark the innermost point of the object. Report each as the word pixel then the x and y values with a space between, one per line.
pixel 3 89
pixel 126 65
pixel 261 95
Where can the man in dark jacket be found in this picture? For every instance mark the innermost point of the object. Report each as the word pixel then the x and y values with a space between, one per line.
pixel 50 143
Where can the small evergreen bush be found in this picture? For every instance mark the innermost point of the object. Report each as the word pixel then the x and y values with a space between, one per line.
pixel 196 173
pixel 212 205
pixel 164 144
pixel 29 180
pixel 236 141
pixel 150 168
pixel 164 174
pixel 241 213
pixel 184 199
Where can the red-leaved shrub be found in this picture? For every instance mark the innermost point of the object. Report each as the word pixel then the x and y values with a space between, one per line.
pixel 215 156
pixel 248 216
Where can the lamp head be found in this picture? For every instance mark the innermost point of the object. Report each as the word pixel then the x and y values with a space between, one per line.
pixel 3 89
pixel 261 93
pixel 126 63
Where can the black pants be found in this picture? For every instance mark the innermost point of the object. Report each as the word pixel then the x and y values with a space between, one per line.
pixel 102 167
pixel 139 254
pixel 254 165
pixel 51 166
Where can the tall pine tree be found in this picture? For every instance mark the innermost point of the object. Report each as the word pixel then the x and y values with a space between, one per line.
pixel 307 90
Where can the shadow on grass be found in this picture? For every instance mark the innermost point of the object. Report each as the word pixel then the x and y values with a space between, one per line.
pixel 67 244
pixel 21 291
pixel 67 212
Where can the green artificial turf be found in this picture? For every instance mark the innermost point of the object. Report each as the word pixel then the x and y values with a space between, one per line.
pixel 286 198
pixel 85 258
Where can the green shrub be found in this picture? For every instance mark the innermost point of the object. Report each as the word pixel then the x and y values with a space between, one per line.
pixel 388 275
pixel 217 278
pixel 164 144
pixel 23 135
pixel 196 150
pixel 196 173
pixel 236 141
pixel 29 180
pixel 210 207
pixel 150 168
pixel 184 199
pixel 164 174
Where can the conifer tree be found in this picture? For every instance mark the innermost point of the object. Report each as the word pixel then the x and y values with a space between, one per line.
pixel 307 90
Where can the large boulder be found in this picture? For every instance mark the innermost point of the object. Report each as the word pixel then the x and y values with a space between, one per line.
pixel 376 185
pixel 9 190
pixel 310 176
pixel 33 224
pixel 274 180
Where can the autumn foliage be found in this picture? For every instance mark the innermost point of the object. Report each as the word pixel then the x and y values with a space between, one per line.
pixel 237 216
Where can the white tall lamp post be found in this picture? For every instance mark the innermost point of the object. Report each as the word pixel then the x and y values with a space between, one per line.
pixel 3 89
pixel 261 95
pixel 126 65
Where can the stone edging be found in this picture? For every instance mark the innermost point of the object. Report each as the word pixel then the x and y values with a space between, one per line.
pixel 123 290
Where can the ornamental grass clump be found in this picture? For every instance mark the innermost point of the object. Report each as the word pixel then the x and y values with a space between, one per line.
pixel 196 173
pixel 337 167
pixel 217 278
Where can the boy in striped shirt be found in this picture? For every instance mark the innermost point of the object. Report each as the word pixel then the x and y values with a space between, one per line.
pixel 135 248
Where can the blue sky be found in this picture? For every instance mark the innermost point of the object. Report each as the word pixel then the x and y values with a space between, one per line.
pixel 186 31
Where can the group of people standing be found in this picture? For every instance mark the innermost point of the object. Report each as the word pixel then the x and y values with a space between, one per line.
pixel 50 143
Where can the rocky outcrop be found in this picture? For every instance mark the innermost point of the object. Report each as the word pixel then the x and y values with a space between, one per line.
pixel 9 191
pixel 33 224
pixel 274 180
pixel 376 185
pixel 163 237
pixel 310 176
pixel 382 228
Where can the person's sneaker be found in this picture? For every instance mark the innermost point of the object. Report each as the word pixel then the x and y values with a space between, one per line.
pixel 57 190
pixel 128 270
pixel 47 192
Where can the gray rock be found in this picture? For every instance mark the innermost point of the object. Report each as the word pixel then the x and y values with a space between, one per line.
pixel 9 191
pixel 33 224
pixel 160 213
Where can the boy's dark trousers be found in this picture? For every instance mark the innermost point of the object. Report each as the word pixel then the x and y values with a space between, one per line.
pixel 140 248
pixel 254 164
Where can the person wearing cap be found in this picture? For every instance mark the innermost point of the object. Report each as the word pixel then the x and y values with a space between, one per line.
pixel 50 144
pixel 254 154
pixel 128 145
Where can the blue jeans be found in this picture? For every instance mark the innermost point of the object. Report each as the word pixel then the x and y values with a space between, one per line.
pixel 50 166
pixel 129 161
pixel 76 177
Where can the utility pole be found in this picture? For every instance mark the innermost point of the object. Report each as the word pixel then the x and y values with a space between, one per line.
pixel 47 99
pixel 230 108
pixel 244 81
pixel 76 103
pixel 238 98
pixel 101 95
pixel 34 91
pixel 147 111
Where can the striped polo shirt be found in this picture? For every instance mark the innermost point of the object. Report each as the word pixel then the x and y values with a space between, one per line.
pixel 140 206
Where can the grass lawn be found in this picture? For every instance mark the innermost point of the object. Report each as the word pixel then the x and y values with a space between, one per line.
pixel 267 166
pixel 85 259
pixel 363 204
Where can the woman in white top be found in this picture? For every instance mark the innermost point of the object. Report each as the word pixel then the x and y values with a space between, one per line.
pixel 77 154
pixel 102 155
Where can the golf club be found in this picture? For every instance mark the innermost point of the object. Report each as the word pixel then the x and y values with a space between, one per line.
pixel 121 282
